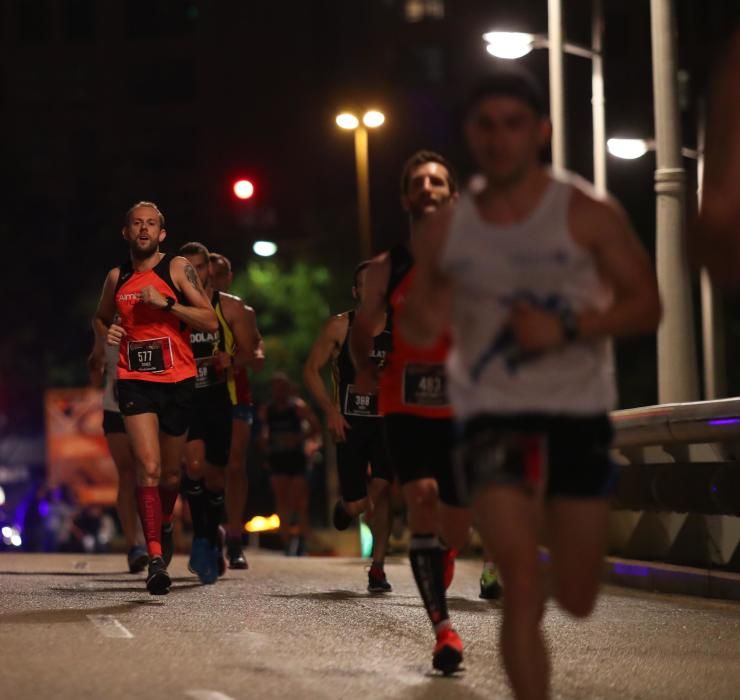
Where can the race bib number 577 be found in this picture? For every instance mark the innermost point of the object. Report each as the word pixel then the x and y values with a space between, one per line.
pixel 153 355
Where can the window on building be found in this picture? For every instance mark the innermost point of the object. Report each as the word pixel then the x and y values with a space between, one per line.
pixel 419 10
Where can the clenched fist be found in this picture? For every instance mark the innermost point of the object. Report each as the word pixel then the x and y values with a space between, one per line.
pixel 115 334
pixel 149 295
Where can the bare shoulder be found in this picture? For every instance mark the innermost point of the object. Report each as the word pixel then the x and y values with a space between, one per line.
pixel 336 327
pixel 231 298
pixel 593 217
pixel 113 274
pixel 179 262
pixel 378 271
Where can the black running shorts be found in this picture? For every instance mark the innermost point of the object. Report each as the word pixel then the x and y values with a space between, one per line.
pixel 171 402
pixel 421 448
pixel 365 445
pixel 557 455
pixel 287 464
pixel 113 423
pixel 211 422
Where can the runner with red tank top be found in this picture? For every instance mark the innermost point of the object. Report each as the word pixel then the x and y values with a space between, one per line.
pixel 413 400
pixel 158 299
pixel 240 392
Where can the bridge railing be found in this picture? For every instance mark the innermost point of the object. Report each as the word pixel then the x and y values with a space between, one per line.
pixel 678 493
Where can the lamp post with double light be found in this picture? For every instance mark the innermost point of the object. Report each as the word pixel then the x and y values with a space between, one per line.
pixel 372 119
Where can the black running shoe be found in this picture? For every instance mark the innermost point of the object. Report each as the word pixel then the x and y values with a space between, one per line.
pixel 158 581
pixel 168 543
pixel 341 518
pixel 137 559
pixel 377 582
pixel 490 585
pixel 235 554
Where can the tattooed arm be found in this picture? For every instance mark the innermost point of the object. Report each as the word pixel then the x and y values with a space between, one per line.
pixel 198 313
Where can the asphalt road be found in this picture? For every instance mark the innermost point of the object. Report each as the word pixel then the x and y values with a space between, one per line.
pixel 78 627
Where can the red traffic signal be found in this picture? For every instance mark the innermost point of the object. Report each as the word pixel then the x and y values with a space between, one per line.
pixel 243 189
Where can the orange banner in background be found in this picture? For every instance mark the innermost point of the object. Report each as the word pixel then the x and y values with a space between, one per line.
pixel 76 450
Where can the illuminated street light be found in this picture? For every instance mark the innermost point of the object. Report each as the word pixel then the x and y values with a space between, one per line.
pixel 627 149
pixel 373 119
pixel 265 249
pixel 347 121
pixel 509 45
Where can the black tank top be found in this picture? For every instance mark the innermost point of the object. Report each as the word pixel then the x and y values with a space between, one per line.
pixel 283 426
pixel 206 344
pixel 351 403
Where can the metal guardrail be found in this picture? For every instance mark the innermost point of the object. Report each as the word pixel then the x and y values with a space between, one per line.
pixel 680 458
pixel 678 423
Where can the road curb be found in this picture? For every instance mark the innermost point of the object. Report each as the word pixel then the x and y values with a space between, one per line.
pixel 668 578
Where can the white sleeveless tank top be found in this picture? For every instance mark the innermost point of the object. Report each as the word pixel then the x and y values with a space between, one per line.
pixel 536 260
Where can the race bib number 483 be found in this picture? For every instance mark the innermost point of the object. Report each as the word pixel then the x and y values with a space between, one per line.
pixel 425 385
pixel 153 355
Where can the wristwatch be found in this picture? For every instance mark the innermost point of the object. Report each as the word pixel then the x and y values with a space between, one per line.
pixel 171 301
pixel 569 322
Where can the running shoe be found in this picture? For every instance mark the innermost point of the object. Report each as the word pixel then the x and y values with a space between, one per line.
pixel 377 581
pixel 137 559
pixel 235 554
pixel 341 518
pixel 202 561
pixel 168 543
pixel 158 581
pixel 448 651
pixel 448 562
pixel 490 586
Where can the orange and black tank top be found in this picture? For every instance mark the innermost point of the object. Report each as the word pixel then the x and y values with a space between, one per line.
pixel 156 347
pixel 413 381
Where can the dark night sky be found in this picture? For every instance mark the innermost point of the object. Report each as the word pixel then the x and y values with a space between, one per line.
pixel 105 102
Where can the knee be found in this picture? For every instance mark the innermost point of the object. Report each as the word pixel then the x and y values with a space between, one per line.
pixel 150 466
pixel 171 481
pixel 422 497
pixel 523 597
pixel 355 508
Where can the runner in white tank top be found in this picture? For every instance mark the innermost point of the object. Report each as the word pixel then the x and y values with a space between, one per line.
pixel 536 275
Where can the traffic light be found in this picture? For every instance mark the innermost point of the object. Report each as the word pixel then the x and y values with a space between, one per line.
pixel 243 189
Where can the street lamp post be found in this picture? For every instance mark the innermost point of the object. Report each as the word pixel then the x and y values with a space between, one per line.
pixel 370 120
pixel 513 45
pixel 677 369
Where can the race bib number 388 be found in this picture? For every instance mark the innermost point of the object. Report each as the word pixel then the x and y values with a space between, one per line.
pixel 154 355
pixel 425 385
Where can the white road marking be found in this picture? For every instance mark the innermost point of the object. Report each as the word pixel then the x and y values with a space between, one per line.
pixel 207 695
pixel 108 626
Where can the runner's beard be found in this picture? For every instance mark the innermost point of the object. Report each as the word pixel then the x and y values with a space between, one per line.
pixel 421 209
pixel 143 253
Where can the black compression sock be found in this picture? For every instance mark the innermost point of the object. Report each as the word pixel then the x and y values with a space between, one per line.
pixel 195 492
pixel 214 513
pixel 426 563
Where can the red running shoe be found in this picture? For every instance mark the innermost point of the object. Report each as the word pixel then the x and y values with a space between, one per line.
pixel 448 562
pixel 448 651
